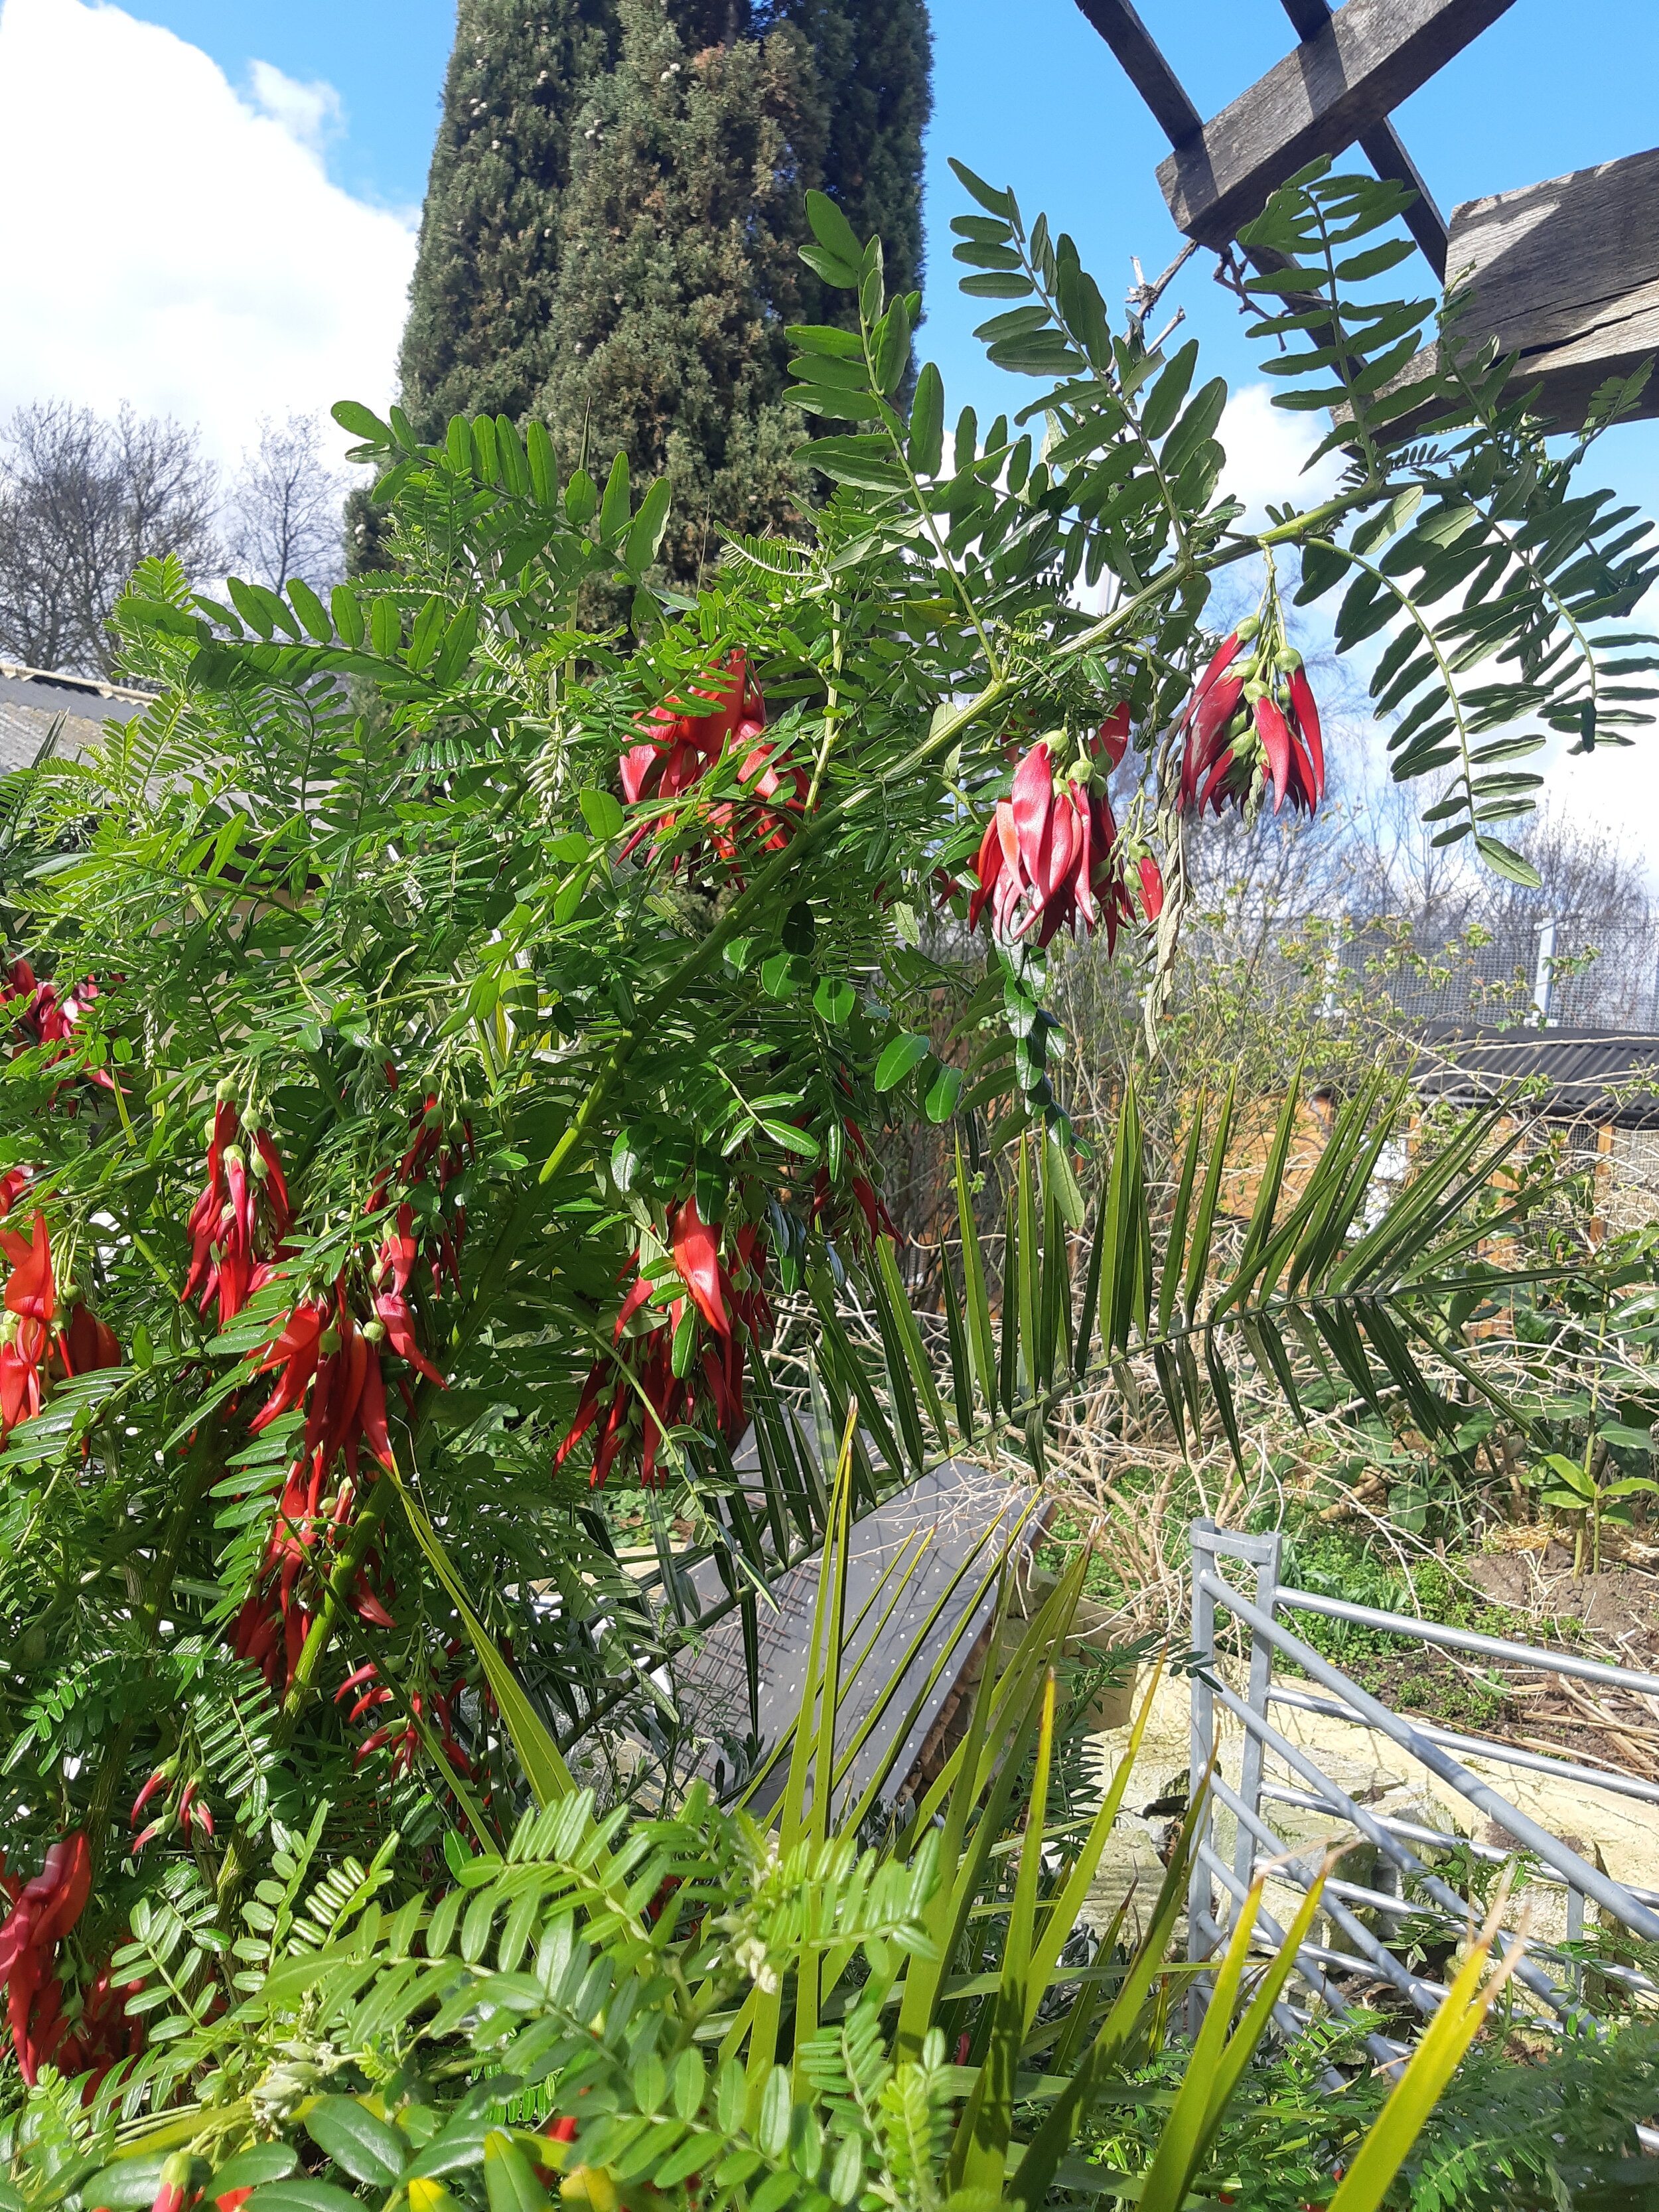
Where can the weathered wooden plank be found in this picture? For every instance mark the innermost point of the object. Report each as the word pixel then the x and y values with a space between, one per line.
pixel 1145 68
pixel 1564 275
pixel 1382 146
pixel 1319 100
pixel 953 1521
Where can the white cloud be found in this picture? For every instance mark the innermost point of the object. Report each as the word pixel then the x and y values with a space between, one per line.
pixel 311 113
pixel 164 241
pixel 1268 448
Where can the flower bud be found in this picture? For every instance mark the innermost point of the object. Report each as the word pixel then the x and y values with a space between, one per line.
pixel 374 1331
pixel 225 1090
pixel 235 1157
pixel 1247 629
pixel 175 2183
pixel 329 1341
pixel 259 1168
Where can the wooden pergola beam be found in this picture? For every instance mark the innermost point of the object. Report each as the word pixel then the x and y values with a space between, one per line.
pixel 1564 275
pixel 1145 68
pixel 1334 88
pixel 1382 146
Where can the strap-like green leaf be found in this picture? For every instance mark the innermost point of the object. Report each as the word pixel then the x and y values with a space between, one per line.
pixel 1175 1250
pixel 544 1769
pixel 980 1341
pixel 979 2150
pixel 1198 1259
pixel 910 1334
pixel 956 1337
pixel 1008 1366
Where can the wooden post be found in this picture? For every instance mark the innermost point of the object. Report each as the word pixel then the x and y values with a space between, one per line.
pixel 1335 87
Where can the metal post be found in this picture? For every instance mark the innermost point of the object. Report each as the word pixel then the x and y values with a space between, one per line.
pixel 1543 980
pixel 1261 1671
pixel 1576 1935
pixel 1262 1552
pixel 1200 1896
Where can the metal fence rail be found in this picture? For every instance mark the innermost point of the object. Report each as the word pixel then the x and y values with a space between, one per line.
pixel 1552 1979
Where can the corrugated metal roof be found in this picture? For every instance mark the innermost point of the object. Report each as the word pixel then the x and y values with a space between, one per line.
pixel 1561 1075
pixel 49 692
pixel 33 699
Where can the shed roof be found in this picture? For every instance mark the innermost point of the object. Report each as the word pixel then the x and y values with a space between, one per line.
pixel 1560 1075
pixel 33 699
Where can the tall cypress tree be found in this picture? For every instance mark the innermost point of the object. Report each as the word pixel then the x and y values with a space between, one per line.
pixel 486 270
pixel 873 64
pixel 610 234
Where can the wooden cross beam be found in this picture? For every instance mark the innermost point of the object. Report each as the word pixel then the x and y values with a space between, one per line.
pixel 1144 66
pixel 1341 83
pixel 1337 88
pixel 1565 275
pixel 1382 147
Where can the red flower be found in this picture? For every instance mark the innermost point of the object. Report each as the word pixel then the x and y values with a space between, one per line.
pixel 13 1184
pixel 1251 722
pixel 325 1358
pixel 1051 857
pixel 43 1912
pixel 726 1295
pixel 681 749
pixel 870 1218
pixel 392 1307
pixel 432 1705
pixel 444 1161
pixel 1111 740
pixel 46 1019
pixel 29 1353
pixel 696 1254
pixel 238 1224
pixel 31 1292
pixel 31 1301
pixel 87 1343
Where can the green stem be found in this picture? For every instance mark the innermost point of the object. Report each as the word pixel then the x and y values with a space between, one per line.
pixel 335 1594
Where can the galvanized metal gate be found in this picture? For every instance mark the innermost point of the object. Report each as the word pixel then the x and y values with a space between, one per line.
pixel 1553 1979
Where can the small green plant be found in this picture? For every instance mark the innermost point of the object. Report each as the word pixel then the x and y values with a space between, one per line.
pixel 1591 1490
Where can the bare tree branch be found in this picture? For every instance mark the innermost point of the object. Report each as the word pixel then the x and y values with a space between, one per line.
pixel 83 499
pixel 286 511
